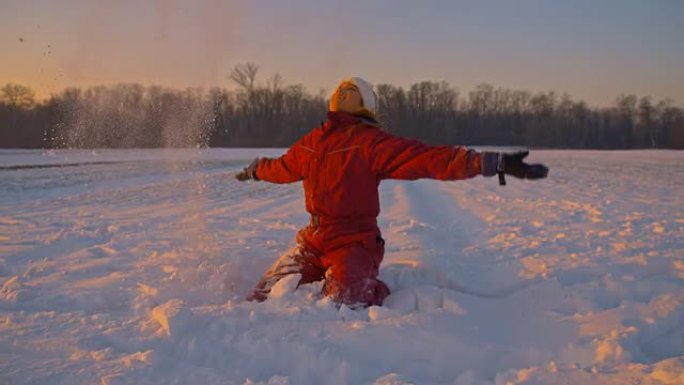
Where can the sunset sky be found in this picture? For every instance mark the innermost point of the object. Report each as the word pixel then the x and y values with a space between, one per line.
pixel 594 50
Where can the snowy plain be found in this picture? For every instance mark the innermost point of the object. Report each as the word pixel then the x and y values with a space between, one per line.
pixel 129 267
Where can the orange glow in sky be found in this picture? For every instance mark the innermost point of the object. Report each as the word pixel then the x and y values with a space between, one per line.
pixel 592 50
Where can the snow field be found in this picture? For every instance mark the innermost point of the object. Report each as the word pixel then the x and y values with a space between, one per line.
pixel 130 268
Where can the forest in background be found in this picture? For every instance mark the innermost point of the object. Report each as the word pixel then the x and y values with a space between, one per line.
pixel 274 114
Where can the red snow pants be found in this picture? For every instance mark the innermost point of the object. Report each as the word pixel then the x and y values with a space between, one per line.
pixel 346 256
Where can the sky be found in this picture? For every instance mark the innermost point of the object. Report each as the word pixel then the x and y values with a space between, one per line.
pixel 593 50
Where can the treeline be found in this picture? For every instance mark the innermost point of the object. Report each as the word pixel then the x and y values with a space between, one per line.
pixel 271 113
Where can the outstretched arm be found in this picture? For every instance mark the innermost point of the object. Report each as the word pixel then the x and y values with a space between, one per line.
pixel 394 157
pixel 284 169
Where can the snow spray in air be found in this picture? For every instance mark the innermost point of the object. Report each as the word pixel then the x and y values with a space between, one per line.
pixel 179 122
pixel 133 116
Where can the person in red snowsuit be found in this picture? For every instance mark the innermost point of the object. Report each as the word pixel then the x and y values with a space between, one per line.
pixel 341 164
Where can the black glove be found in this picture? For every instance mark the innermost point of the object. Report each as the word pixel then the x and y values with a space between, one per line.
pixel 512 164
pixel 248 172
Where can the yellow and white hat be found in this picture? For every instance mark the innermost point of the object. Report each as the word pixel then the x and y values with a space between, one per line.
pixel 370 100
pixel 368 97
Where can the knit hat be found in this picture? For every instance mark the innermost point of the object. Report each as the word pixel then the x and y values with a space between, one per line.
pixel 368 96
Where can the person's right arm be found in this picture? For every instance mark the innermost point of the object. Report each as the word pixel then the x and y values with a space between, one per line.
pixel 283 169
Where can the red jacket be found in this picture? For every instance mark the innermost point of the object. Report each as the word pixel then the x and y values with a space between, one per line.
pixel 343 161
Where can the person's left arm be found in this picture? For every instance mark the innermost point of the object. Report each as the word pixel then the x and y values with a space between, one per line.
pixel 394 157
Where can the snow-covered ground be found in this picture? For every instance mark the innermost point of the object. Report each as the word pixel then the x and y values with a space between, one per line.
pixel 129 267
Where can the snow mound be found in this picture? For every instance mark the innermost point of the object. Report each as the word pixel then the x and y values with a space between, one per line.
pixel 14 291
pixel 171 316
pixel 670 371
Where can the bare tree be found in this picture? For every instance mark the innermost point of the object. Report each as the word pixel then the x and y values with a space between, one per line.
pixel 244 75
pixel 644 124
pixel 18 96
pixel 273 113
